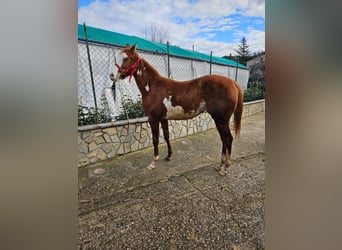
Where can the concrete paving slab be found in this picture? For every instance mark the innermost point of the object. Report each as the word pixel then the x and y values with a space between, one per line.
pixel 183 203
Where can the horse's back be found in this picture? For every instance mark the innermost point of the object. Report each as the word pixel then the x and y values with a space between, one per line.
pixel 218 79
pixel 218 84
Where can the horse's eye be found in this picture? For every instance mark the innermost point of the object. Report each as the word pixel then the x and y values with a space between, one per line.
pixel 125 59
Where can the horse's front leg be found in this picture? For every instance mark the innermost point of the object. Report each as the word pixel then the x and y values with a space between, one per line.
pixel 165 128
pixel 154 123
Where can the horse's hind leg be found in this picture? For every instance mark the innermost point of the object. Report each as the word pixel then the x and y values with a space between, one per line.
pixel 227 140
pixel 223 158
pixel 154 123
pixel 228 160
pixel 165 128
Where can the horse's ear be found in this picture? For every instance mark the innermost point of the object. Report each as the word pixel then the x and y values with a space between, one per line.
pixel 126 49
pixel 133 48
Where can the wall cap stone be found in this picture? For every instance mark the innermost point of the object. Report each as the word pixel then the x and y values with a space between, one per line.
pixel 112 124
pixel 132 121
pixel 253 102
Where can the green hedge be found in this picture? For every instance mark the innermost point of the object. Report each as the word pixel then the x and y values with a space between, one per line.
pixel 134 109
pixel 256 92
pixel 88 115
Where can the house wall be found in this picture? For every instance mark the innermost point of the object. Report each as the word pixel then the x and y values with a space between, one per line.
pixel 256 60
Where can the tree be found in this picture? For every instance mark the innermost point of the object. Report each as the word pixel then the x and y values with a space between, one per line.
pixel 243 51
pixel 155 33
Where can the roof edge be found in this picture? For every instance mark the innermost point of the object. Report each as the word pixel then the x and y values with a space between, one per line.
pixel 106 37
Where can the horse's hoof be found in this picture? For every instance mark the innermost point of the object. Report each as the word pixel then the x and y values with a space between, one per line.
pixel 218 168
pixel 223 172
pixel 151 167
pixel 167 158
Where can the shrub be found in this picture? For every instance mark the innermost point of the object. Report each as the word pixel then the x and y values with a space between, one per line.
pixel 133 109
pixel 88 115
pixel 255 92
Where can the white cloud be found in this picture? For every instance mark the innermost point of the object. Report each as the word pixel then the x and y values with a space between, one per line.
pixel 218 48
pixel 255 8
pixel 186 24
pixel 213 8
pixel 256 40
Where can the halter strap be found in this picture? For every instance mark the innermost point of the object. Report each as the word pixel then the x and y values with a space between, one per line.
pixel 132 69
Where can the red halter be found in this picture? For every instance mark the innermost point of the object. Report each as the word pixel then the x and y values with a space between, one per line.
pixel 132 69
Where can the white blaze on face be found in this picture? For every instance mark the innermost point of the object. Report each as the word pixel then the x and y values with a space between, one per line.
pixel 119 60
pixel 177 112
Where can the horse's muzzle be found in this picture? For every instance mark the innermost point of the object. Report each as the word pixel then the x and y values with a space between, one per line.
pixel 113 78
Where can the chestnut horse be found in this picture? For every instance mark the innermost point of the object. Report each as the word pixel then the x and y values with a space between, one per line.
pixel 165 99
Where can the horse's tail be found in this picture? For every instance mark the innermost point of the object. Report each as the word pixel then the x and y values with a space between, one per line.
pixel 238 110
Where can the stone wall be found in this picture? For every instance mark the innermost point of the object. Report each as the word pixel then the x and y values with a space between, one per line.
pixel 106 141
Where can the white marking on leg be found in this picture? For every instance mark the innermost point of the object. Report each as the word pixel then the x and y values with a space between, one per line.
pixel 228 162
pixel 151 166
pixel 222 162
pixel 218 167
pixel 153 163
pixel 223 172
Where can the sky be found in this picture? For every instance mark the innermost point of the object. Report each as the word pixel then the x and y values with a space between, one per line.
pixel 215 25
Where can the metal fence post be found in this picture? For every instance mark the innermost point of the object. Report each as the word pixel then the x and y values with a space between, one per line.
pixel 193 65
pixel 168 60
pixel 236 70
pixel 211 61
pixel 91 70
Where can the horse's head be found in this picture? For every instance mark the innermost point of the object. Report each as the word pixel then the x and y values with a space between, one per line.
pixel 129 63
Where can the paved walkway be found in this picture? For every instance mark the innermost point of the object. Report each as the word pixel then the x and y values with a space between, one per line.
pixel 183 203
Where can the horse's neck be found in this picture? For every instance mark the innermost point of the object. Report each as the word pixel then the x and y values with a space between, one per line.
pixel 146 76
